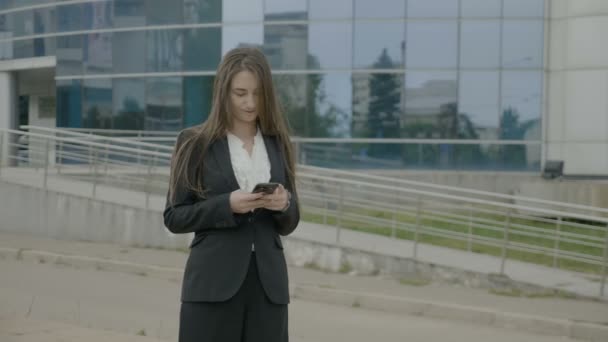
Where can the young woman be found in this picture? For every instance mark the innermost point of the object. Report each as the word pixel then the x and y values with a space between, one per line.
pixel 235 285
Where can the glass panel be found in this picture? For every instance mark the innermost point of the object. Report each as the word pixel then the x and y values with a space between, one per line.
pixel 69 55
pixel 335 9
pixel 242 35
pixel 286 46
pixel 522 44
pixel 129 13
pixel 129 103
pixel 98 15
pixel 432 44
pixel 521 105
pixel 329 107
pixel 70 18
pixel 432 8
pixel 23 23
pixel 285 9
pixel 480 8
pixel 6 47
pixel 292 91
pixel 524 8
pixel 480 44
pixel 69 103
pixel 371 52
pixel 478 105
pixel 238 10
pixel 379 9
pixel 431 109
pixel 97 103
pixel 202 48
pixel 338 36
pixel 23 48
pixel 202 11
pixel 129 51
pixel 45 21
pixel 164 50
pixel 159 12
pixel 163 104
pixel 377 108
pixel 198 93
pixel 98 53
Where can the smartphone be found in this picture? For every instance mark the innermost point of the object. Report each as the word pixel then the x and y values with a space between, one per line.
pixel 267 188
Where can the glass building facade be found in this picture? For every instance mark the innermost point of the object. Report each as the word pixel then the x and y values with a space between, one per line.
pixel 459 81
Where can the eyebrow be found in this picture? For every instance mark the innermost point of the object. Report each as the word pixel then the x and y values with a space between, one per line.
pixel 243 89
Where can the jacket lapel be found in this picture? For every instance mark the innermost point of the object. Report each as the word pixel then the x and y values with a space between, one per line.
pixel 221 154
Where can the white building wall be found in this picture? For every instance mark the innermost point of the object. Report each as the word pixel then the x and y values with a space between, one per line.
pixel 577 85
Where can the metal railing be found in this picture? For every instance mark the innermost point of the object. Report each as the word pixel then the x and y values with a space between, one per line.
pixel 555 234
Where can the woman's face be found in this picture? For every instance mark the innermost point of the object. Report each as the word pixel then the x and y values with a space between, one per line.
pixel 244 97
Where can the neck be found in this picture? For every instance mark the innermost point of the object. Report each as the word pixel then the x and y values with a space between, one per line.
pixel 244 131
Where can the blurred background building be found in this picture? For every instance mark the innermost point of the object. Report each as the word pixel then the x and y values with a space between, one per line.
pixel 500 85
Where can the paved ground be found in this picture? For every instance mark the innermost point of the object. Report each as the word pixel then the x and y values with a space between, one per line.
pixel 52 303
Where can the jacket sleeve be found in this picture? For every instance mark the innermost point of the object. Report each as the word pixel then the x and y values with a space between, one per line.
pixel 288 220
pixel 188 213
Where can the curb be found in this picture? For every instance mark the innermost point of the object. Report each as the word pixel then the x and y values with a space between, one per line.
pixel 398 305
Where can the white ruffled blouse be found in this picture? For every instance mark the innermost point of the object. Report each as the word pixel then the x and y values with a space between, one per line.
pixel 249 170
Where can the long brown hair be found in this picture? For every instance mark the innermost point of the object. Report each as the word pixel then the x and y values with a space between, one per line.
pixel 187 161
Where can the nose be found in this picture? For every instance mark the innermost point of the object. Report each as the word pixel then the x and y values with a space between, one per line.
pixel 250 102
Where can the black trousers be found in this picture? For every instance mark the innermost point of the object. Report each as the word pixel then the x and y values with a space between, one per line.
pixel 246 317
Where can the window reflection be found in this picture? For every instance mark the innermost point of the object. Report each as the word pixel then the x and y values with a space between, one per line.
pixel 370 52
pixel 129 13
pixel 335 35
pixel 432 8
pixel 335 9
pixel 238 10
pixel 163 104
pixel 524 8
pixel 97 103
pixel 201 48
pixel 129 103
pixel 98 53
pixel 159 12
pixel 478 103
pixel 164 50
pixel 285 10
pixel 521 105
pixel 522 44
pixel 69 18
pixel 202 11
pixel 480 44
pixel 69 103
pixel 377 109
pixel 242 36
pixel 197 99
pixel 379 9
pixel 129 51
pixel 69 55
pixel 431 109
pixel 286 46
pixel 432 44
pixel 98 15
pixel 480 8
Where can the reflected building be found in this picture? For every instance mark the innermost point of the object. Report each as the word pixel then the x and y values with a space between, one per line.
pixel 431 70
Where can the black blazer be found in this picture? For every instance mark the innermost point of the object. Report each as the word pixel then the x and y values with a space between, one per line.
pixel 221 248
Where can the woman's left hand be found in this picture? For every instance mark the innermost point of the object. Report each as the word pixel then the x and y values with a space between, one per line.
pixel 277 200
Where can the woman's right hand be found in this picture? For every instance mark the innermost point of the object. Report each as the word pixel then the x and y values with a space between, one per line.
pixel 242 202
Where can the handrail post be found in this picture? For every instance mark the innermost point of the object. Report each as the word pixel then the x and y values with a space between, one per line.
pixel 59 159
pixel 418 218
pixel 46 164
pixel 340 212
pixel 505 242
pixel 2 151
pixel 94 174
pixel 470 232
pixel 604 265
pixel 558 230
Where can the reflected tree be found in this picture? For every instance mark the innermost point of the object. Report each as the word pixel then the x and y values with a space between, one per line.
pixel 384 107
pixel 513 156
pixel 130 116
